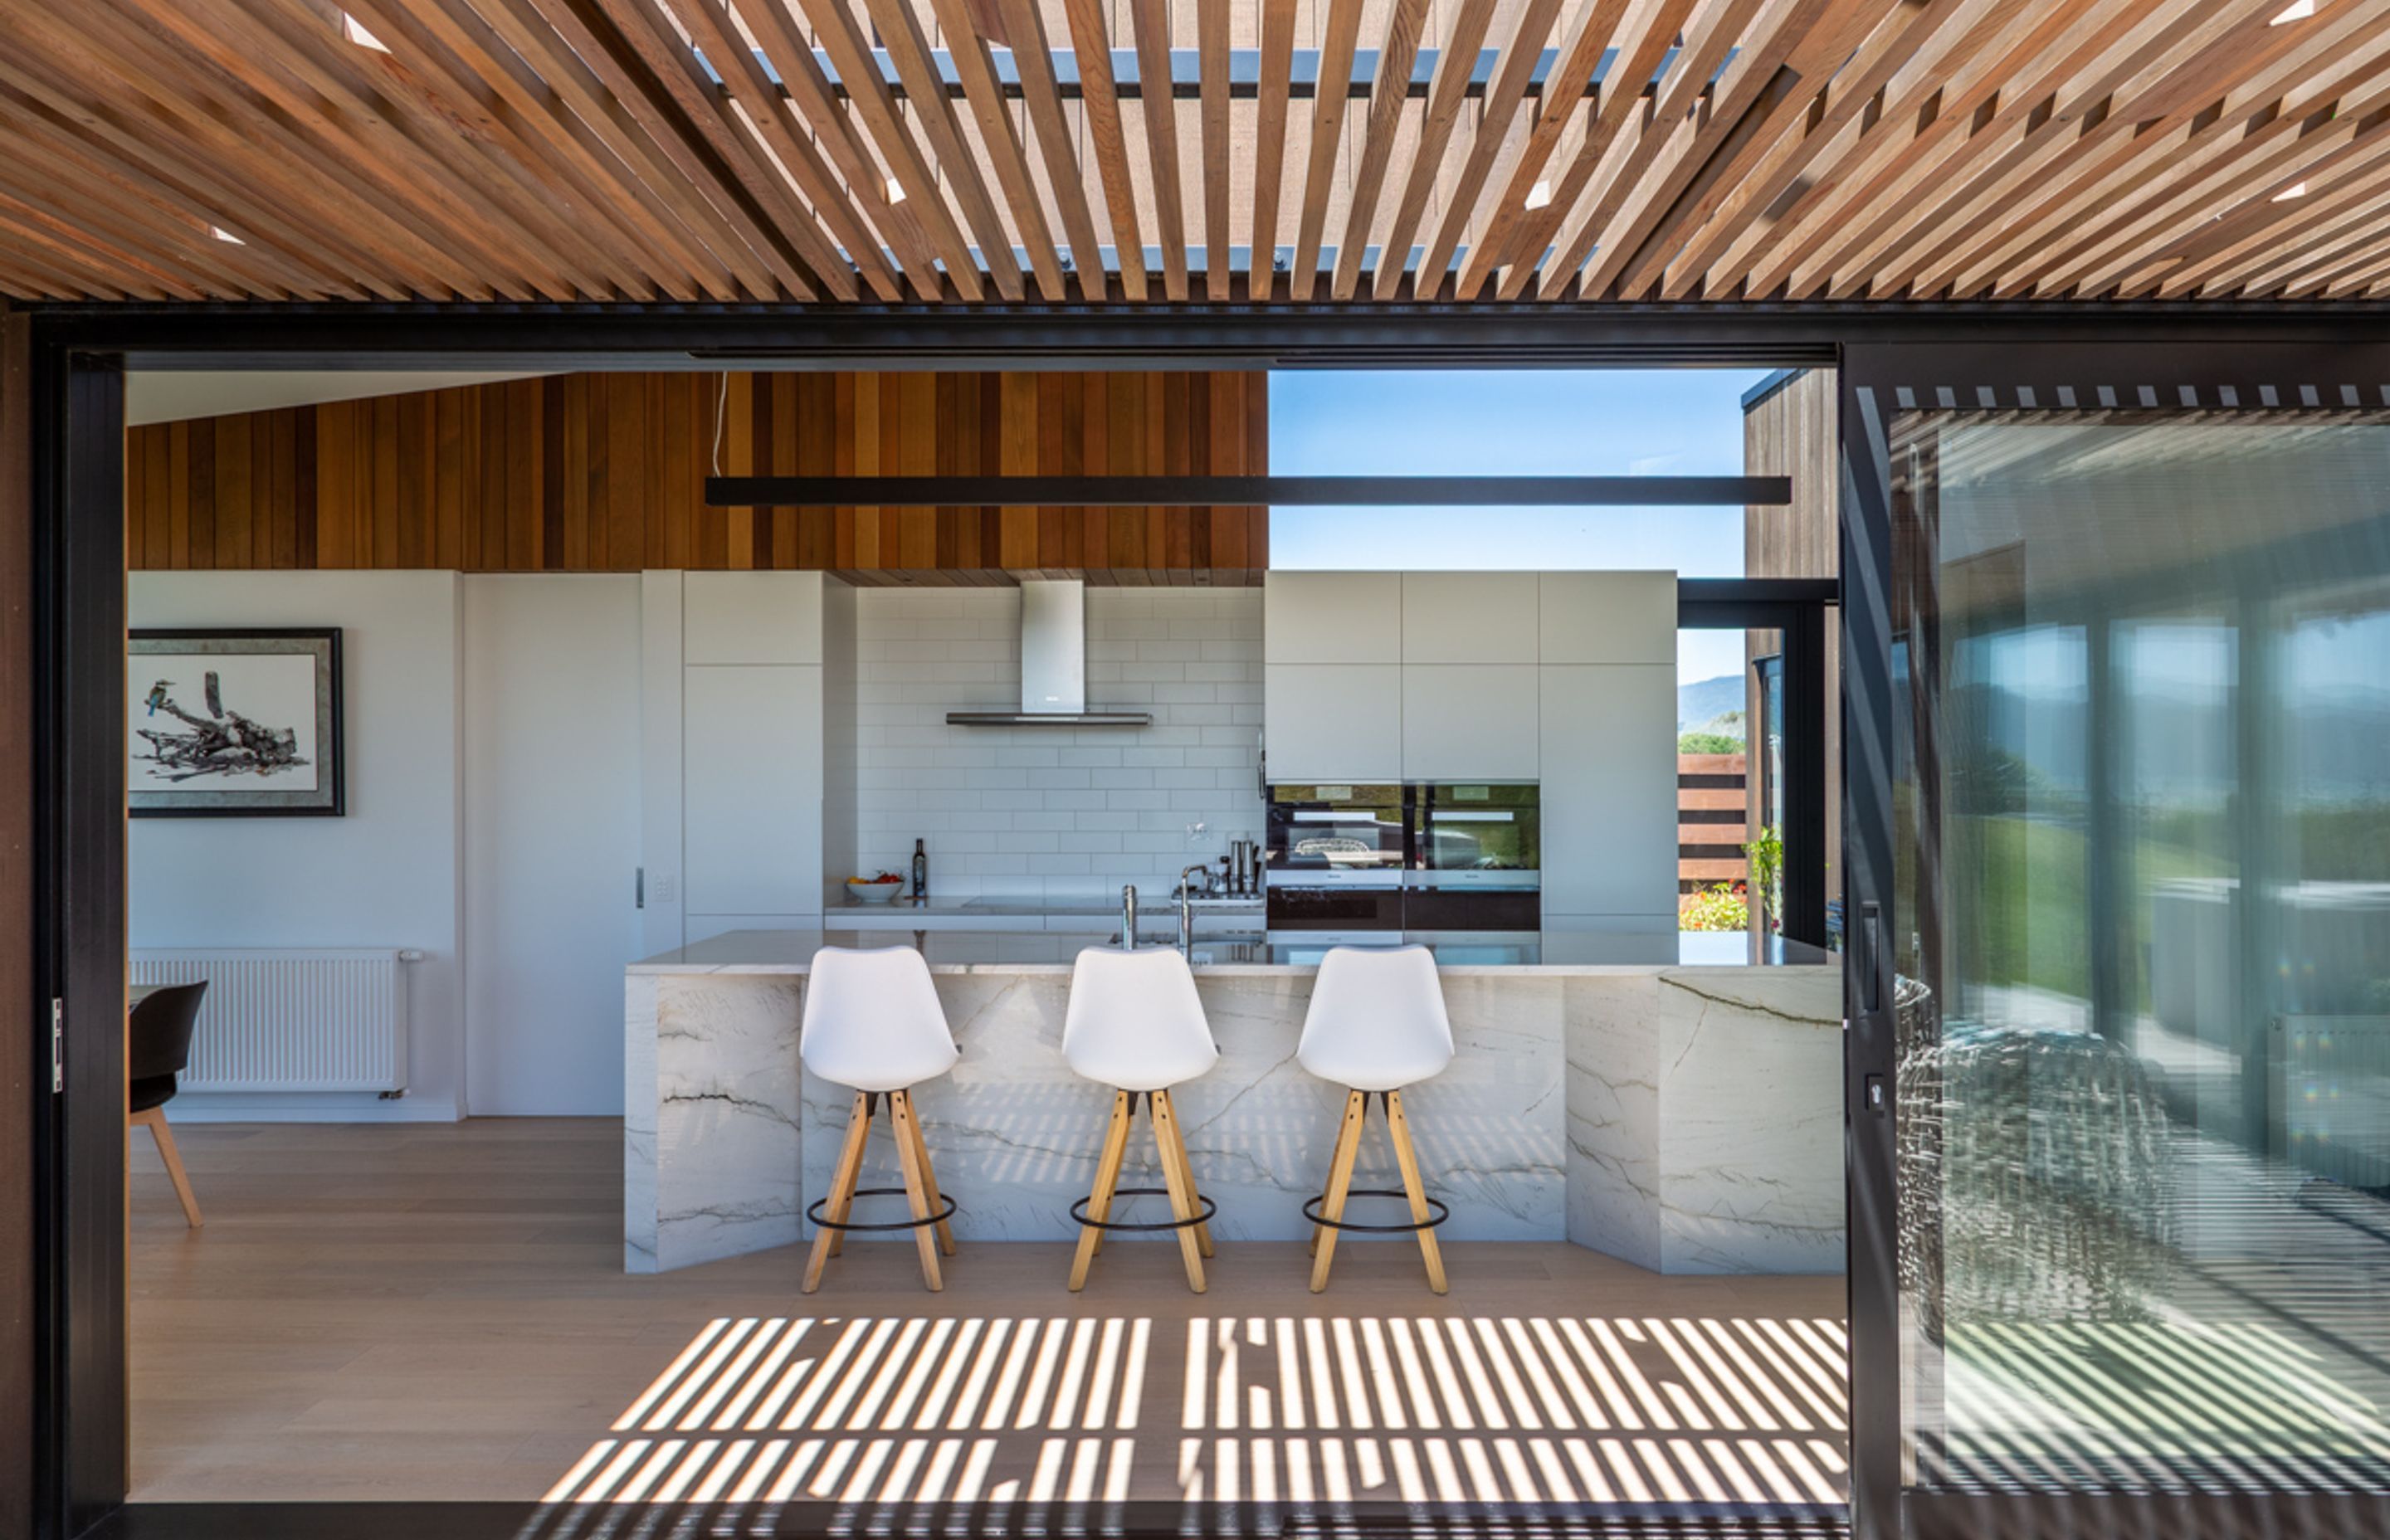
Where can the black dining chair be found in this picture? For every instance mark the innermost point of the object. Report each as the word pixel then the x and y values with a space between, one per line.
pixel 157 1049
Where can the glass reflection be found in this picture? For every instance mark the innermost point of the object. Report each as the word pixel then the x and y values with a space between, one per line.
pixel 2143 831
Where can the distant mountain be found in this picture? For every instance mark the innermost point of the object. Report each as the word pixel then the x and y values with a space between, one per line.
pixel 1700 703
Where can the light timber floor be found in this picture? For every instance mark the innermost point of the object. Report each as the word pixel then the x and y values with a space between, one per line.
pixel 439 1312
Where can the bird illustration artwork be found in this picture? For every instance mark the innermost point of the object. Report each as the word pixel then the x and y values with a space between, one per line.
pixel 222 743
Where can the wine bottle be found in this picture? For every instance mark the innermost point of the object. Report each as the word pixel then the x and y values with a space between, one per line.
pixel 921 874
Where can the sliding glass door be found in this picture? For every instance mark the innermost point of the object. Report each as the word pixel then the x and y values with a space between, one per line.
pixel 2134 939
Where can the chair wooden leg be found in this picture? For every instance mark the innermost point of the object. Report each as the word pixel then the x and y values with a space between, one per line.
pixel 1099 1197
pixel 1177 1152
pixel 826 1241
pixel 164 1137
pixel 908 1151
pixel 1399 1128
pixel 1182 1195
pixel 930 1180
pixel 1335 1146
pixel 1340 1181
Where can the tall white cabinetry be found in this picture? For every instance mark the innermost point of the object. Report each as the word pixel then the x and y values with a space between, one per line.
pixel 1567 679
pixel 733 744
pixel 1607 688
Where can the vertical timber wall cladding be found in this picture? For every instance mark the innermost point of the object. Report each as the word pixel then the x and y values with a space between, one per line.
pixel 605 473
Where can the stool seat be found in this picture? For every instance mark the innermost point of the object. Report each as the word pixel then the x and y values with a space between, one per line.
pixel 1135 1022
pixel 872 1022
pixel 1377 1021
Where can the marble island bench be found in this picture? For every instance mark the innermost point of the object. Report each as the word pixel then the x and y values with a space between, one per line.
pixel 1684 1119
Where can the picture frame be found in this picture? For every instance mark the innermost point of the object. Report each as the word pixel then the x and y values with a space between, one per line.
pixel 235 721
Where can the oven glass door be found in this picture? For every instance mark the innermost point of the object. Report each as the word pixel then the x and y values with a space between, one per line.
pixel 1336 833
pixel 1351 906
pixel 1490 829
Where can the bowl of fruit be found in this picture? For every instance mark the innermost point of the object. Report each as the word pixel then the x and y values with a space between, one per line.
pixel 875 890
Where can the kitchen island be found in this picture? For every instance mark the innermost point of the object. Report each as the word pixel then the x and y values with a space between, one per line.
pixel 1686 1119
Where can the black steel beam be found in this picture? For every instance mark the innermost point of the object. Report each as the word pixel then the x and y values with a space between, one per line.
pixel 1416 336
pixel 1286 491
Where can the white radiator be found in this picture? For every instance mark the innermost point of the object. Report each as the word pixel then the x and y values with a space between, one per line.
pixel 291 1020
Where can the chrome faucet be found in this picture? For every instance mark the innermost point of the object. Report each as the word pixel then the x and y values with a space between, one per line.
pixel 1128 918
pixel 1186 906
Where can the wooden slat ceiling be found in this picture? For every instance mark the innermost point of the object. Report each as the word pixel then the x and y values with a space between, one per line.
pixel 1348 150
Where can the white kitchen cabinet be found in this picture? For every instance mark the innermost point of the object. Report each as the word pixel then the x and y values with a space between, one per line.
pixel 1608 618
pixel 753 617
pixel 1332 618
pixel 752 752
pixel 1332 722
pixel 1609 788
pixel 1469 617
pixel 1469 721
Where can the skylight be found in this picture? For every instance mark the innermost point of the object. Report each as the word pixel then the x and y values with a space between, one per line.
pixel 354 30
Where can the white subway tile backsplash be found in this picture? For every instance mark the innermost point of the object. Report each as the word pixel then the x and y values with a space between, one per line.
pixel 1046 812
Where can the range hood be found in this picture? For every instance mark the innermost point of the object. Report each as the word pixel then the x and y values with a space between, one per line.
pixel 1053 665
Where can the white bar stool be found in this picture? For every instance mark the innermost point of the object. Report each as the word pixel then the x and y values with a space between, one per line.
pixel 872 1021
pixel 1135 1023
pixel 1376 1024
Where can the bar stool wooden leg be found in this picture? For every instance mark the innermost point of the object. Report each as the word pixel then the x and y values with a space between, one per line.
pixel 1182 1196
pixel 1128 1131
pixel 1339 1180
pixel 1099 1197
pixel 1399 1128
pixel 1177 1152
pixel 930 1178
pixel 908 1152
pixel 164 1137
pixel 1335 1145
pixel 826 1241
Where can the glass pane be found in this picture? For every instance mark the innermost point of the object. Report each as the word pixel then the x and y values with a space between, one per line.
pixel 2142 804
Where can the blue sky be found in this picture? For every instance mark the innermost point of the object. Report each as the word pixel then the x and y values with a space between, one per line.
pixel 1618 422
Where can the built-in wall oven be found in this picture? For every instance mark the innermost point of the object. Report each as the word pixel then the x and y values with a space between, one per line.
pixel 1333 858
pixel 1439 856
pixel 1475 856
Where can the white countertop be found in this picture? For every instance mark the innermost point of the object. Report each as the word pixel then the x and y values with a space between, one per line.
pixel 1050 952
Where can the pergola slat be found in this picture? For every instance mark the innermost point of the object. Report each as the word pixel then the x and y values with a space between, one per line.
pixel 1396 57
pixel 979 151
pixel 1326 131
pixel 1150 21
pixel 1108 139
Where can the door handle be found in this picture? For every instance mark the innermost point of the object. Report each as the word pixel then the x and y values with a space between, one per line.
pixel 1872 965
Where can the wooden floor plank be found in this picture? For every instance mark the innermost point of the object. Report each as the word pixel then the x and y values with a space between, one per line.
pixel 439 1312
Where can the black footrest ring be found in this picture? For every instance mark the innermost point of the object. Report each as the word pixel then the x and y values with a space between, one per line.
pixel 813 1212
pixel 1442 1212
pixel 1079 1211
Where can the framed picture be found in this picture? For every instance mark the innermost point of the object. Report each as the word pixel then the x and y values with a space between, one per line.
pixel 233 724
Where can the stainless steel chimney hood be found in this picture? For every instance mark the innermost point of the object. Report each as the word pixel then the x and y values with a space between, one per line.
pixel 1053 665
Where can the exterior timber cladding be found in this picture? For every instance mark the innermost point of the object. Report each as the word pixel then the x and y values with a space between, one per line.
pixel 604 473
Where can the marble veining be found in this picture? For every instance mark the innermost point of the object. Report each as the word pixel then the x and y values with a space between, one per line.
pixel 1672 1164
pixel 1687 1120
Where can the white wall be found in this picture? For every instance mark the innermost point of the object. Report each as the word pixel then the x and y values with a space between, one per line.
pixel 551 746
pixel 1052 812
pixel 389 874
pixel 492 764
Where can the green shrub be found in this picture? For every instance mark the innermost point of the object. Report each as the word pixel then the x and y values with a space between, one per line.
pixel 1713 908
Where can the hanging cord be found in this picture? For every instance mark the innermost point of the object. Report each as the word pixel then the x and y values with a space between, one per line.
pixel 721 410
